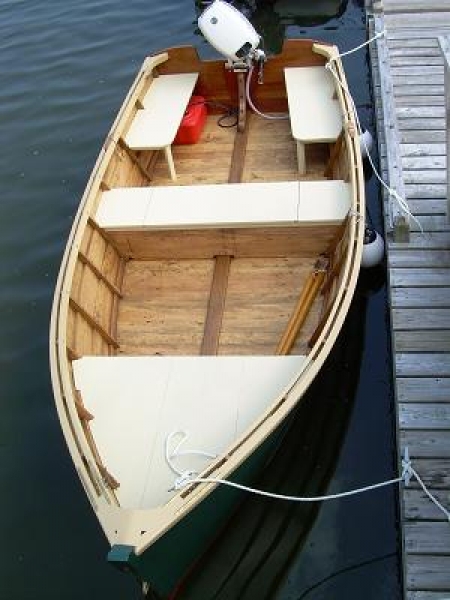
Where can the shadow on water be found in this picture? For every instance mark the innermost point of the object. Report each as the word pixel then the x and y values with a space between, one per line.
pixel 64 75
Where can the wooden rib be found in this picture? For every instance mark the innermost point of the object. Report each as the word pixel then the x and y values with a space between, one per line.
pixel 93 223
pixel 135 159
pixel 86 261
pixel 301 311
pixel 71 354
pixel 334 156
pixel 82 411
pixel 107 477
pixel 93 323
pixel 239 151
pixel 216 305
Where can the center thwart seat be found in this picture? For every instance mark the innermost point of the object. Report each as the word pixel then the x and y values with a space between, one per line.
pixel 226 205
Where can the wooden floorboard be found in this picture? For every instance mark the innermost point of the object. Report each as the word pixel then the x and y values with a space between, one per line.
pixel 216 305
pixel 411 122
pixel 180 307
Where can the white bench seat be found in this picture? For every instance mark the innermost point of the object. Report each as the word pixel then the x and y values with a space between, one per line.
pixel 314 110
pixel 227 205
pixel 155 126
pixel 138 401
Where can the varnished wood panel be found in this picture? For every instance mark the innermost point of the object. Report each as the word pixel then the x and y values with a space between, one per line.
pixel 216 83
pixel 164 305
pixel 207 161
pixel 260 298
pixel 303 240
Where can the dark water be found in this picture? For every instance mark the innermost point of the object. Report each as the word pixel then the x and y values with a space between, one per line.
pixel 65 67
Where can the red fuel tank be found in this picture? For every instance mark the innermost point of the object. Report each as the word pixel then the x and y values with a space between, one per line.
pixel 193 122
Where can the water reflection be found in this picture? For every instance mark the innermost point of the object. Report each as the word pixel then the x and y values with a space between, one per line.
pixel 272 17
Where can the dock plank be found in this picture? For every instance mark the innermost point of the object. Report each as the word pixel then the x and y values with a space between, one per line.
pixel 421 318
pixel 411 364
pixel 420 258
pixel 433 472
pixel 428 573
pixel 417 505
pixel 438 240
pixel 424 416
pixel 435 277
pixel 420 595
pixel 423 443
pixel 423 389
pixel 427 538
pixel 422 340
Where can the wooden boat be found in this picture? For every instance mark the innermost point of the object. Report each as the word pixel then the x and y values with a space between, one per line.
pixel 200 292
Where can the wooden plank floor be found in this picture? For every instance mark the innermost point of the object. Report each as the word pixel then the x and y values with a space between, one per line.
pixel 419 273
pixel 165 306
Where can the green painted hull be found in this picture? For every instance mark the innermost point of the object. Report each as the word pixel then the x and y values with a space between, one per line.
pixel 165 563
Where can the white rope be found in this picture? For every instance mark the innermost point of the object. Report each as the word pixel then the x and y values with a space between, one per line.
pixel 366 43
pixel 170 455
pixel 186 478
pixel 392 193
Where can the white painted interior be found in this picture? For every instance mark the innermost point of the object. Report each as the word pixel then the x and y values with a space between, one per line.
pixel 138 401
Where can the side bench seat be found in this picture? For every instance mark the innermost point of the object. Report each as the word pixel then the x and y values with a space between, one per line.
pixel 314 110
pixel 155 126
pixel 138 401
pixel 227 205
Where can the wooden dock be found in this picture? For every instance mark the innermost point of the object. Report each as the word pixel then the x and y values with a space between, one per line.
pixel 408 73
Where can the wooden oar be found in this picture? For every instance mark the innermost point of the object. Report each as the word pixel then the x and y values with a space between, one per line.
pixel 302 308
